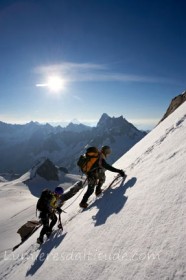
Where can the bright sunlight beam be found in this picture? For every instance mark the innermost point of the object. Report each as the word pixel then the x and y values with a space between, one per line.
pixel 54 84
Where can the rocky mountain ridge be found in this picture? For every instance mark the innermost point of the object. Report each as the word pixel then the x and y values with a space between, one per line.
pixel 22 145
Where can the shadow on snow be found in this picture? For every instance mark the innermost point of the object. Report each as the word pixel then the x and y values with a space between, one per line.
pixel 112 202
pixel 46 248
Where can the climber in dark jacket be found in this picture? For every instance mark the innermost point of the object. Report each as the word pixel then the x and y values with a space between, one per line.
pixel 50 205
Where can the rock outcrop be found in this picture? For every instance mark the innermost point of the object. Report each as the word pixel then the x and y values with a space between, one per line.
pixel 175 103
pixel 48 171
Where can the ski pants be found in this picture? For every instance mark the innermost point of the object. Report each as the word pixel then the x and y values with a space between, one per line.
pixel 47 225
pixel 95 179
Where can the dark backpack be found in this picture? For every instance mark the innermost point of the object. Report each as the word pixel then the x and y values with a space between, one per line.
pixel 86 161
pixel 44 200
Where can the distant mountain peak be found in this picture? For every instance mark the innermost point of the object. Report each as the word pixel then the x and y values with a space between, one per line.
pixel 32 124
pixel 105 115
pixel 77 127
pixel 75 121
pixel 107 121
pixel 104 118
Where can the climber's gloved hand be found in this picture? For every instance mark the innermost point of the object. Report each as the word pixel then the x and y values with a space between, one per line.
pixel 59 210
pixel 122 173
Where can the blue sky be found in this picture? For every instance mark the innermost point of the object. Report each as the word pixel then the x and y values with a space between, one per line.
pixel 114 56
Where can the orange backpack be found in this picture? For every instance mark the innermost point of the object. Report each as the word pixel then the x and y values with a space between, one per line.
pixel 86 161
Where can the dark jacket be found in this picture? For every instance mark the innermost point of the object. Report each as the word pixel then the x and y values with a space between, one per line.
pixel 101 163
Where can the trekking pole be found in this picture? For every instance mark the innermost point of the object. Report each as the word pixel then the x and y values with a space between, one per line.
pixel 60 223
pixel 115 181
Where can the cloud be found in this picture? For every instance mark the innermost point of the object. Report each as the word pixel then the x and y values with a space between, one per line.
pixel 83 72
pixel 68 68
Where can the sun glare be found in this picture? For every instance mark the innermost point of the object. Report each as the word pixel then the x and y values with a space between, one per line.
pixel 55 83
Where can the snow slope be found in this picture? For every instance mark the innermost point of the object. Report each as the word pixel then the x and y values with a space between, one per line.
pixel 18 205
pixel 135 231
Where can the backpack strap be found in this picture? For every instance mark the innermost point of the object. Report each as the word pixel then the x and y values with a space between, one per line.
pixel 100 159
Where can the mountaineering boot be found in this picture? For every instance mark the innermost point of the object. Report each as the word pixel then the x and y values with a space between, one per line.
pixel 83 204
pixel 48 233
pixel 60 226
pixel 98 192
pixel 40 240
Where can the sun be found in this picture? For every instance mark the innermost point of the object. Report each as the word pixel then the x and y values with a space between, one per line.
pixel 55 83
